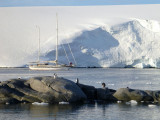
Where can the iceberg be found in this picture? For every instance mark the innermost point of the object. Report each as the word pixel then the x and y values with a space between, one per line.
pixel 108 38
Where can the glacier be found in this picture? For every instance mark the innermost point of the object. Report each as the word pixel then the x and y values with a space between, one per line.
pixel 131 44
pixel 113 36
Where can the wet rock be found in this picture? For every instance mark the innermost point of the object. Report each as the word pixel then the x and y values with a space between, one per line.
pixel 93 93
pixel 90 91
pixel 58 89
pixel 127 94
pixel 53 90
pixel 40 89
pixel 105 95
pixel 155 95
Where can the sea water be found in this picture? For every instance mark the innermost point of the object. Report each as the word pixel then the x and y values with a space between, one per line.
pixel 145 79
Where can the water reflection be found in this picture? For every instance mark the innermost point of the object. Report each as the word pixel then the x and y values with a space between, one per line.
pixel 96 110
pixel 53 111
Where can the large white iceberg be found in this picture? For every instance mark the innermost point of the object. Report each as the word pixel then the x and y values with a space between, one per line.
pixel 111 36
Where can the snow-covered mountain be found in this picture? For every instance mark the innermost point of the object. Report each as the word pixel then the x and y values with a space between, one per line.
pixel 106 38
pixel 131 44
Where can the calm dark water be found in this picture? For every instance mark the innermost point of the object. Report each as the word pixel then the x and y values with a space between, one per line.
pixel 146 79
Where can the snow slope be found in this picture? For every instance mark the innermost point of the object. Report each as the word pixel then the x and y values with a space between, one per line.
pixel 111 36
pixel 131 44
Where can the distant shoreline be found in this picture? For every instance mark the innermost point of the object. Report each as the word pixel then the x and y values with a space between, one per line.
pixel 94 67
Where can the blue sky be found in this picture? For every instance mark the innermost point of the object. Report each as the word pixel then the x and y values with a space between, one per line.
pixel 9 3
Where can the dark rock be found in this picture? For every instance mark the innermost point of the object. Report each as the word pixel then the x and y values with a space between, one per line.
pixel 112 91
pixel 53 90
pixel 105 94
pixel 40 89
pixel 90 91
pixel 93 93
pixel 127 94
pixel 18 90
pixel 58 89
pixel 155 95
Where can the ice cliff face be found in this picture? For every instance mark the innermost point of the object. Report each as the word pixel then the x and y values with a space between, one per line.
pixel 106 37
pixel 139 42
pixel 132 44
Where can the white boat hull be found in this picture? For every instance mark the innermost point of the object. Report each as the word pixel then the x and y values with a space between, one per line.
pixel 35 67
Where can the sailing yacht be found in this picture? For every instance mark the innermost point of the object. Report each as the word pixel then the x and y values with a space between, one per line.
pixel 50 65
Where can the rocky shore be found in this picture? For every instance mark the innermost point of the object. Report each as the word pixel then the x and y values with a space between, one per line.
pixel 51 89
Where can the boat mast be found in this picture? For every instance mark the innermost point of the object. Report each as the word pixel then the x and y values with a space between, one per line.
pixel 57 41
pixel 38 43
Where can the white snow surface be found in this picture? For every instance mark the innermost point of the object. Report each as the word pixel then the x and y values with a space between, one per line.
pixel 100 36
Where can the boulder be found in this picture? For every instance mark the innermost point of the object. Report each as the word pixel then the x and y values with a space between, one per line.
pixel 105 95
pixel 155 95
pixel 90 91
pixel 40 89
pixel 58 89
pixel 93 93
pixel 127 94
pixel 20 91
